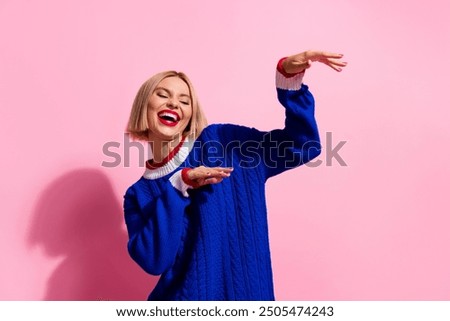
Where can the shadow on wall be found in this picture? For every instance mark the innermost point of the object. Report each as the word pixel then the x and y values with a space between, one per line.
pixel 79 218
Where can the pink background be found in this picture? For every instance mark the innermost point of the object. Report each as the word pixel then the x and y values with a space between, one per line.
pixel 377 229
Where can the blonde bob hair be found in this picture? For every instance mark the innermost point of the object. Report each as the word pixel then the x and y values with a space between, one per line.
pixel 137 126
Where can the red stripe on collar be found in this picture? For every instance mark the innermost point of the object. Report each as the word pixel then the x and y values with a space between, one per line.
pixel 150 164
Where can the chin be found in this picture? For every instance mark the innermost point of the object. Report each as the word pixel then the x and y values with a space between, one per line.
pixel 167 134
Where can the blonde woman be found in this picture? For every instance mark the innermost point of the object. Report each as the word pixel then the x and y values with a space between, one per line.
pixel 198 216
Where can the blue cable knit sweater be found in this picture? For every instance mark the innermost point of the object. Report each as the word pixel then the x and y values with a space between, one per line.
pixel 211 243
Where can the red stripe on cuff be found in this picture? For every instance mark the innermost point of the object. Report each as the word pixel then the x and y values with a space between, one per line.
pixel 280 68
pixel 186 179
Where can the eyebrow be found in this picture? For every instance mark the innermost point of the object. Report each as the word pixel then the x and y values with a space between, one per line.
pixel 167 90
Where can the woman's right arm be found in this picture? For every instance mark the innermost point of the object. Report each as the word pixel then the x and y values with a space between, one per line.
pixel 155 226
pixel 155 222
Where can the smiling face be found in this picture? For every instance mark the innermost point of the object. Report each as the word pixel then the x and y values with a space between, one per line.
pixel 169 110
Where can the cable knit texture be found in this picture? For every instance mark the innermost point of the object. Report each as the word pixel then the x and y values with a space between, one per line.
pixel 213 244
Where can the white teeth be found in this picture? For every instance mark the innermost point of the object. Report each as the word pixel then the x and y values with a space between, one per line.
pixel 171 116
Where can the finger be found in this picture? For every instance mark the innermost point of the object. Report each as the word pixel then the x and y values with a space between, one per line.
pixel 217 173
pixel 327 54
pixel 221 171
pixel 224 169
pixel 214 180
pixel 210 173
pixel 337 68
pixel 321 56
pixel 337 62
pixel 225 174
pixel 210 180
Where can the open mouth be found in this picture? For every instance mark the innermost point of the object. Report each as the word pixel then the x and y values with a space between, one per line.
pixel 168 117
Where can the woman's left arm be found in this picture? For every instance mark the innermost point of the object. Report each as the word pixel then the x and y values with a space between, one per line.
pixel 298 142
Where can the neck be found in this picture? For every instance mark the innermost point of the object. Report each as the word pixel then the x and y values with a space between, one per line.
pixel 161 149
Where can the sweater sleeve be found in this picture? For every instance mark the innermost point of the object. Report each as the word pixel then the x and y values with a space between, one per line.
pixel 281 149
pixel 155 226
pixel 298 142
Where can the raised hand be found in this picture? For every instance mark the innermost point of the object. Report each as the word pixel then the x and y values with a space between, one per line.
pixel 299 62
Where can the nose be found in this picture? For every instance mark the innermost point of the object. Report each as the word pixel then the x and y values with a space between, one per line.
pixel 172 102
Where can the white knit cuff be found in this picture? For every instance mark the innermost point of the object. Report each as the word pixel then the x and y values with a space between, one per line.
pixel 291 83
pixel 177 181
